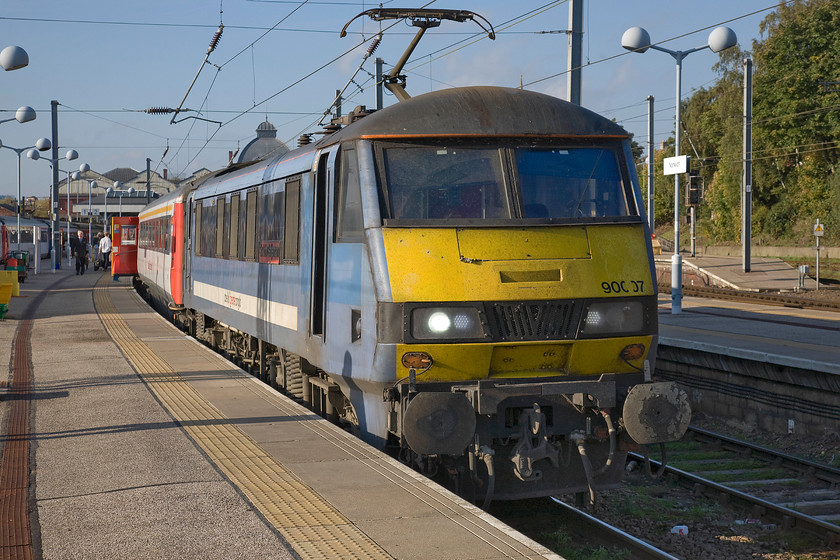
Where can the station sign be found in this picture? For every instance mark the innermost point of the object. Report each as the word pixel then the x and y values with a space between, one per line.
pixel 92 212
pixel 676 165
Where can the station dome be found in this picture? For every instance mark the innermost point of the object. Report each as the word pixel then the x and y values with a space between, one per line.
pixel 264 144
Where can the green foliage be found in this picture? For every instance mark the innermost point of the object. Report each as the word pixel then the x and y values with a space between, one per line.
pixel 796 127
pixel 561 543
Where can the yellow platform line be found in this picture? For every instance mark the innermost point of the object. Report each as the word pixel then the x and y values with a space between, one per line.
pixel 308 522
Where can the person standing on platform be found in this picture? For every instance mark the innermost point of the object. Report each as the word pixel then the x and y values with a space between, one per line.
pixel 78 246
pixel 105 250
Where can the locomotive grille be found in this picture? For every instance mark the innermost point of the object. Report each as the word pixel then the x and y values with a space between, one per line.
pixel 532 320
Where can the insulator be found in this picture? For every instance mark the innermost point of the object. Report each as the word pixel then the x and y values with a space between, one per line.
pixel 158 110
pixel 304 139
pixel 331 128
pixel 373 46
pixel 215 40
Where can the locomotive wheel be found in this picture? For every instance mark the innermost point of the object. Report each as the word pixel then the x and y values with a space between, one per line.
pixel 294 375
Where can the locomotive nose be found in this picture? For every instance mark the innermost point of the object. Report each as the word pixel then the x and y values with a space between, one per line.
pixel 656 412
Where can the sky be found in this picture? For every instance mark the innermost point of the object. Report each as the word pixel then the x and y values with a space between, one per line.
pixel 106 62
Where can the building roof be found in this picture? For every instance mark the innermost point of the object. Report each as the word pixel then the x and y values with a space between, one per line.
pixel 122 174
pixel 129 179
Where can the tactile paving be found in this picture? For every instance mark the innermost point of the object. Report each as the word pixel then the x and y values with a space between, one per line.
pixel 309 523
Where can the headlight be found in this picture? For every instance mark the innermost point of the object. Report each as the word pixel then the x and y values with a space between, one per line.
pixel 613 317
pixel 430 323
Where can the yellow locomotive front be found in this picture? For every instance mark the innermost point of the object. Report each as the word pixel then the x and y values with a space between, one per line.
pixel 522 298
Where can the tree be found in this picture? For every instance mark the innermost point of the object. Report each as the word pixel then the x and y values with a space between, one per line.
pixel 797 116
pixel 796 128
pixel 42 209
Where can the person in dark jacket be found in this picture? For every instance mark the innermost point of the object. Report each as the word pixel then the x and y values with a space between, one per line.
pixel 79 248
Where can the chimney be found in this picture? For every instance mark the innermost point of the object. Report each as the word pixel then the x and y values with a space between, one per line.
pixel 165 173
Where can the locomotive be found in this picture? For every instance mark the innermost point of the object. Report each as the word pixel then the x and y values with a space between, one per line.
pixel 465 277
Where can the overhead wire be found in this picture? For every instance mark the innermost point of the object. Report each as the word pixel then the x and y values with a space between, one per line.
pixel 296 82
pixel 605 59
pixel 219 68
pixel 299 5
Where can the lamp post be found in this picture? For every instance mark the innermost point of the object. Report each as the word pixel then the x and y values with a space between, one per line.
pixel 92 184
pixel 41 145
pixel 70 175
pixel 636 39
pixel 109 190
pixel 18 151
pixel 13 58
pixel 129 191
pixel 22 115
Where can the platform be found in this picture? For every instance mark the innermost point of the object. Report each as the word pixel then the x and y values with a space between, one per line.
pixel 756 366
pixel 800 338
pixel 766 274
pixel 123 438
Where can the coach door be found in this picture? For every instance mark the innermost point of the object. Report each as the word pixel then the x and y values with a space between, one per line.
pixel 320 245
pixel 192 220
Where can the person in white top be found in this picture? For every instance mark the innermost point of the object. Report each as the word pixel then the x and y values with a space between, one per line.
pixel 105 250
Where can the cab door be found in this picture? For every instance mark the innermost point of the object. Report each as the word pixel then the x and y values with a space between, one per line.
pixel 320 246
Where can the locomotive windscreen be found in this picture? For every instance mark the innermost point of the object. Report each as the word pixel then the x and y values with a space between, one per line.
pixel 477 182
pixel 570 183
pixel 445 182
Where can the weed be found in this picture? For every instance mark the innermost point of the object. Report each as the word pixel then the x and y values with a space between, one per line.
pixel 561 543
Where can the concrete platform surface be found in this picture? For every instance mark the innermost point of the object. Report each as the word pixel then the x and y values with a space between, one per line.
pixel 800 338
pixel 766 274
pixel 145 444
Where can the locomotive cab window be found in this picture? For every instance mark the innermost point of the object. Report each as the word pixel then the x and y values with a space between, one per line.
pixel 580 182
pixel 586 180
pixel 445 182
pixel 349 202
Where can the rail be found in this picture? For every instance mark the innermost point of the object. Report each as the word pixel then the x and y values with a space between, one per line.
pixel 785 516
pixel 638 548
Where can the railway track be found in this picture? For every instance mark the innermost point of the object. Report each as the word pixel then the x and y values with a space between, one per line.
pixel 774 487
pixel 613 537
pixel 768 491
pixel 573 532
pixel 768 298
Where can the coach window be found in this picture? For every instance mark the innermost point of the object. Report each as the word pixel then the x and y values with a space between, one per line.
pixel 225 245
pixel 271 221
pixel 220 225
pixel 243 220
pixel 208 230
pixel 251 225
pixel 233 247
pixel 197 228
pixel 292 222
pixel 349 211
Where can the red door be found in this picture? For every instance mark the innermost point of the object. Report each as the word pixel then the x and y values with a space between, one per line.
pixel 124 251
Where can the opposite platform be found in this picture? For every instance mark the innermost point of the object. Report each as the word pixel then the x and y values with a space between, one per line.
pixel 145 444
pixel 766 274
